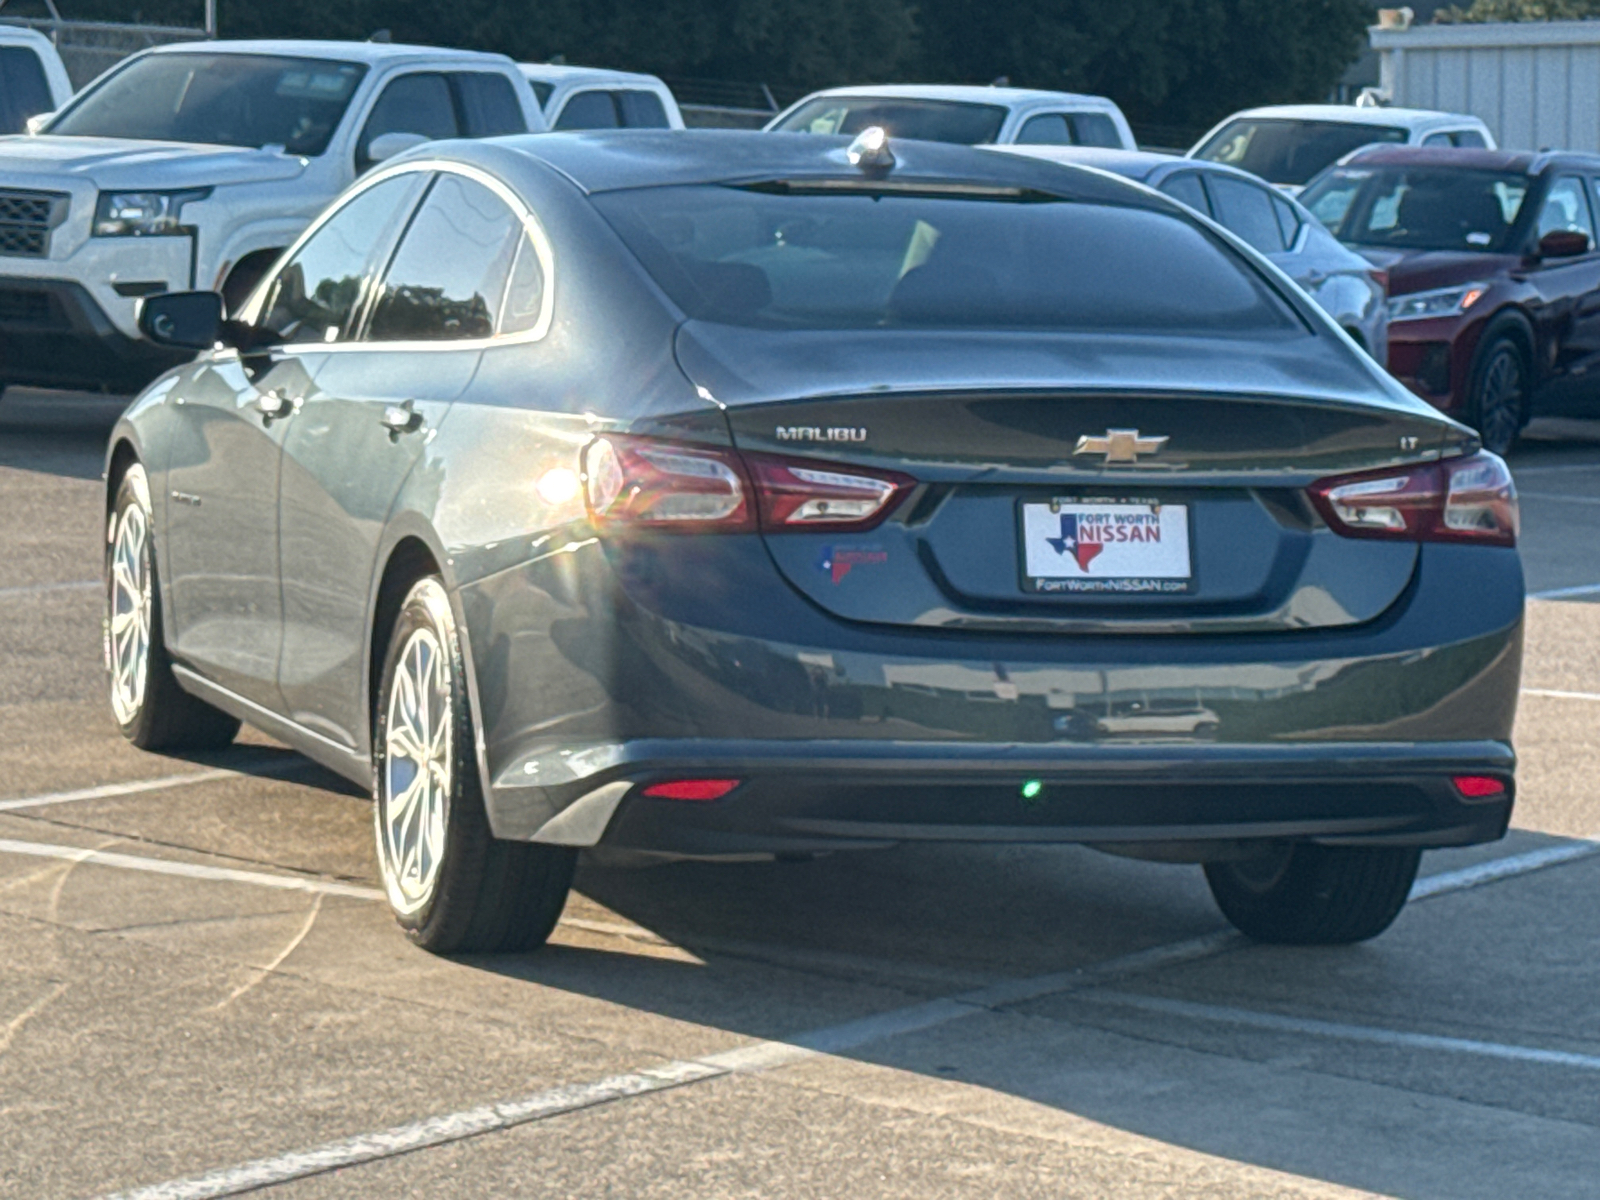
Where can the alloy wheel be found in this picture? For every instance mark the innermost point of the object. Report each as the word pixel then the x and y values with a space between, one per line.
pixel 415 781
pixel 1500 400
pixel 129 617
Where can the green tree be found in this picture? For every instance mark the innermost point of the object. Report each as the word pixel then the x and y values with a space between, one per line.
pixel 1519 10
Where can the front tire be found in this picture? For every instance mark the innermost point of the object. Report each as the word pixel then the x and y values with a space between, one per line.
pixel 1310 895
pixel 152 711
pixel 1497 405
pixel 451 884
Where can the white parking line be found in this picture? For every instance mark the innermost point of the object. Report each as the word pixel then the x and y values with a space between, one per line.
pixel 1560 695
pixel 134 787
pixel 1558 496
pixel 1562 593
pixel 836 1039
pixel 1555 468
pixel 165 866
pixel 1343 1032
pixel 39 589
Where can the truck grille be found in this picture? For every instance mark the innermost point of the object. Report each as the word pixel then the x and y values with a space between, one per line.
pixel 26 219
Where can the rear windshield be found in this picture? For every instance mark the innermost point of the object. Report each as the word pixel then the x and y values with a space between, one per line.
pixel 864 260
pixel 1290 152
pixel 220 99
pixel 928 120
pixel 1426 208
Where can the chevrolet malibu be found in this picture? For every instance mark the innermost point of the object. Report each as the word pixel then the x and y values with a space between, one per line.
pixel 710 495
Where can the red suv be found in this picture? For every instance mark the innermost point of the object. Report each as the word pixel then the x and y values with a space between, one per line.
pixel 1494 275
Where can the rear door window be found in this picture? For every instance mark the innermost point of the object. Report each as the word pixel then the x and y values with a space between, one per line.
pixel 642 110
pixel 419 104
pixel 1469 139
pixel 1438 139
pixel 448 278
pixel 1288 221
pixel 489 106
pixel 588 110
pixel 1049 129
pixel 1566 209
pixel 1094 129
pixel 1185 187
pixel 24 92
pixel 1246 210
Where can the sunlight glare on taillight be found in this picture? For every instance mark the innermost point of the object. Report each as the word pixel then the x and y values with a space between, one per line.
pixel 665 485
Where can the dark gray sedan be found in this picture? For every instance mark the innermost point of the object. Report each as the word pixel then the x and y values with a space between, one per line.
pixel 713 495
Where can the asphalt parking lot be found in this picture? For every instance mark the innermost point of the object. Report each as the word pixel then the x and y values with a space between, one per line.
pixel 201 993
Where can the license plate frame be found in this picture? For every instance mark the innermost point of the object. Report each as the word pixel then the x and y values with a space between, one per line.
pixel 1161 578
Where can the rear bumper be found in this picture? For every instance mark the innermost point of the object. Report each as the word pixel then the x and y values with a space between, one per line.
pixel 843 795
pixel 54 334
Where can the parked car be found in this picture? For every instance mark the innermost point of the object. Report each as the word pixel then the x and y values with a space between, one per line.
pixel 595 98
pixel 1286 144
pixel 713 494
pixel 1348 287
pixel 1494 276
pixel 32 78
pixel 194 165
pixel 970 116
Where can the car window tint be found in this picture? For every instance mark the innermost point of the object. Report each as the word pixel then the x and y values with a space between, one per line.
pixel 525 292
pixel 542 91
pixel 588 110
pixel 1566 209
pixel 1288 221
pixel 1095 129
pixel 1246 210
pixel 489 105
pixel 952 121
pixel 1290 151
pixel 447 278
pixel 23 89
pixel 1437 139
pixel 642 110
pixel 1469 139
pixel 316 295
pixel 1185 187
pixel 411 104
pixel 1047 130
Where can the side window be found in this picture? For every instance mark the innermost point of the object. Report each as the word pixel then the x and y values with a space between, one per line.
pixel 1246 210
pixel 489 106
pixel 419 104
pixel 317 294
pixel 1095 129
pixel 1288 221
pixel 1185 187
pixel 1469 139
pixel 588 110
pixel 23 89
pixel 643 110
pixel 448 276
pixel 1438 139
pixel 525 293
pixel 1566 208
pixel 1047 130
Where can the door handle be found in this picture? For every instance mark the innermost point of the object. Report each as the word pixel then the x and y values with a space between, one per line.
pixel 274 404
pixel 400 418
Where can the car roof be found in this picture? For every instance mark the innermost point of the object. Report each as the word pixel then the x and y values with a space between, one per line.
pixel 21 33
pixel 1134 164
pixel 967 93
pixel 563 73
pixel 618 159
pixel 1350 114
pixel 371 53
pixel 1458 156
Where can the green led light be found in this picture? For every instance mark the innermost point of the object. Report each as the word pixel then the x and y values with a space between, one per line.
pixel 1032 788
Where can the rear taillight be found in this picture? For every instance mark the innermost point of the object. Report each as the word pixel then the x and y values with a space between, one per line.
pixel 1469 499
pixel 636 481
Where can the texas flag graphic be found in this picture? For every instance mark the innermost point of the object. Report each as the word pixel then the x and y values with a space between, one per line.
pixel 1069 542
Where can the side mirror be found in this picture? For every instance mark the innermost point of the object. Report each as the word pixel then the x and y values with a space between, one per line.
pixel 387 145
pixel 1563 243
pixel 185 320
pixel 37 122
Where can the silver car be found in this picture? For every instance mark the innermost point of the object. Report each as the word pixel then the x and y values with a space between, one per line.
pixel 1346 286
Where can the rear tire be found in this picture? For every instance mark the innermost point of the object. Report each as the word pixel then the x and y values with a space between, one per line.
pixel 1310 895
pixel 152 711
pixel 452 885
pixel 1497 405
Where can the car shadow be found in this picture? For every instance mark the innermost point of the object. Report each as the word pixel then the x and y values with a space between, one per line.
pixel 56 433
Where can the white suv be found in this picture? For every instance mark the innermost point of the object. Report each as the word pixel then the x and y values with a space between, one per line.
pixel 193 166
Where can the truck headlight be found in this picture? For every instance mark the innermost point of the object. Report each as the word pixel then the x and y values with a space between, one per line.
pixel 142 214
pixel 1439 302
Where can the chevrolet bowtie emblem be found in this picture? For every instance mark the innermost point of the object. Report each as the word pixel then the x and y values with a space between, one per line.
pixel 1119 445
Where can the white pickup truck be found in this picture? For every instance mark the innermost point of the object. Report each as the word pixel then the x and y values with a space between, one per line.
pixel 193 166
pixel 32 77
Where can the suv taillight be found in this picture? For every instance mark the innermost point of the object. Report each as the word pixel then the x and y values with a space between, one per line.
pixel 677 487
pixel 1469 499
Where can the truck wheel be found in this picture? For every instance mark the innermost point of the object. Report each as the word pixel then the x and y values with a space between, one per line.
pixel 1497 404
pixel 152 711
pixel 452 885
pixel 1309 895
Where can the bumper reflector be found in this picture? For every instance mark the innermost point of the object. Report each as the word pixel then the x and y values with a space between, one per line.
pixel 692 789
pixel 1478 787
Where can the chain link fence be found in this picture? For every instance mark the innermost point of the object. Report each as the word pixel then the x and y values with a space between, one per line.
pixel 89 48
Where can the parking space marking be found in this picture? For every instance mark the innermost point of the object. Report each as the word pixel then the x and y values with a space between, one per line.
pixel 164 866
pixel 1562 496
pixel 39 589
pixel 134 787
pixel 1562 593
pixel 765 1056
pixel 1560 695
pixel 1374 1034
pixel 1555 468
